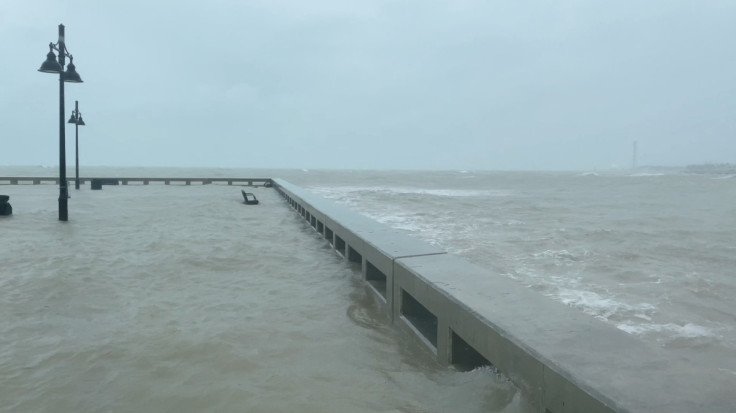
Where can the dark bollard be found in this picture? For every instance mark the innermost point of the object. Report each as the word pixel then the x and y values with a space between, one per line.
pixel 5 207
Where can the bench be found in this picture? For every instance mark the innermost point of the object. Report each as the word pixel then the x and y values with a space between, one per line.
pixel 249 198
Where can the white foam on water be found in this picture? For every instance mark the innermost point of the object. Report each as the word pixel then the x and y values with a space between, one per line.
pixel 646 174
pixel 404 222
pixel 341 191
pixel 672 330
pixel 728 371
pixel 597 305
pixel 562 256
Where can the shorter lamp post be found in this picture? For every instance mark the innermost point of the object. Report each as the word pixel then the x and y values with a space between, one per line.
pixel 77 120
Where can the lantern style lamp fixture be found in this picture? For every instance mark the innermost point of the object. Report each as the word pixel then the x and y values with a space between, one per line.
pixel 77 120
pixel 52 65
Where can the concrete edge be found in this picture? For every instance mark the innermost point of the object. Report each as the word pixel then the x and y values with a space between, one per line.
pixel 579 364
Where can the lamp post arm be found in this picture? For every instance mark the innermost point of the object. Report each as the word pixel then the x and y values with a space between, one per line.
pixel 60 47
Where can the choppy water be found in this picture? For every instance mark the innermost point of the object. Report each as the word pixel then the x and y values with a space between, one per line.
pixel 178 312
pixel 652 253
pixel 182 299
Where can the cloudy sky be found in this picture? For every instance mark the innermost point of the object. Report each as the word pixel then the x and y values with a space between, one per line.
pixel 382 84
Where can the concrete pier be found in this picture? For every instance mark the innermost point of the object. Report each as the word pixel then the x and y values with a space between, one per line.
pixel 563 360
pixel 30 180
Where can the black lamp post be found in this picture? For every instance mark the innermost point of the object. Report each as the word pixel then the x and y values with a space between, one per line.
pixel 77 120
pixel 71 75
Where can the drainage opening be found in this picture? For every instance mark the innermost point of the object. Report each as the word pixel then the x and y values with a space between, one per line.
pixel 340 245
pixel 420 318
pixel 320 227
pixel 376 278
pixel 464 356
pixel 354 256
pixel 314 221
pixel 329 235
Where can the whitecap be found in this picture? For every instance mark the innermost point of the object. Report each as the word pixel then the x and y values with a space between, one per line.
pixel 646 174
pixel 597 305
pixel 332 192
pixel 688 330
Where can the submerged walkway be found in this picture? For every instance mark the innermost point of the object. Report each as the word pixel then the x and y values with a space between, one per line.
pixel 173 298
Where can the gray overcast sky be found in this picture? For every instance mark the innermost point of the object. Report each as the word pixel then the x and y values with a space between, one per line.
pixel 430 84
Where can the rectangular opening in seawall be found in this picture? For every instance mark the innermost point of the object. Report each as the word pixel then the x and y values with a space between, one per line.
pixel 354 256
pixel 464 357
pixel 329 235
pixel 320 227
pixel 340 245
pixel 423 321
pixel 376 278
pixel 355 259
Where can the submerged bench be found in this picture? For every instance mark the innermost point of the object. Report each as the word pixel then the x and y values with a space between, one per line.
pixel 249 198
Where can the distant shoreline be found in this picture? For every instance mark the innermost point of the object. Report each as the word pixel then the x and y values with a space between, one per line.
pixel 712 168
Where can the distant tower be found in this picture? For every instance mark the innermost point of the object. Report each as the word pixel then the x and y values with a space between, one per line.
pixel 633 161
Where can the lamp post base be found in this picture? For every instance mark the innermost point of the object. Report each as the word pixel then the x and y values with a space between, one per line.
pixel 63 206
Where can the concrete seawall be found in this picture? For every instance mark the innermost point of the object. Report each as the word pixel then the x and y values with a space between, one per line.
pixel 562 359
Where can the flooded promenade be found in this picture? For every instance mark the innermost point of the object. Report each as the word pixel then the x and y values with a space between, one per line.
pixel 174 298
